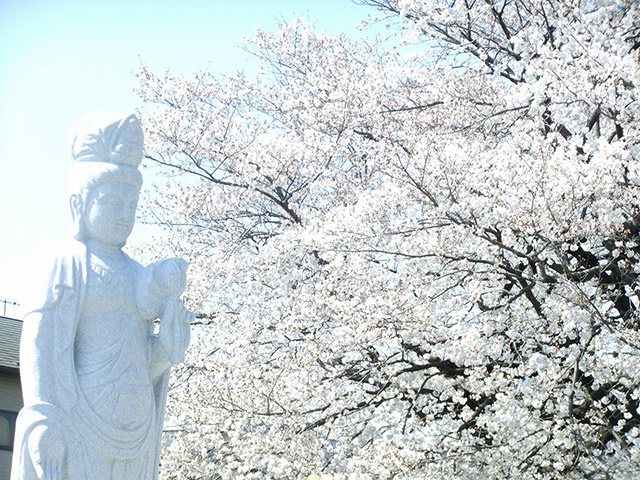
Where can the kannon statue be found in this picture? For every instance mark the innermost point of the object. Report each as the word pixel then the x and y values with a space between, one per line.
pixel 94 359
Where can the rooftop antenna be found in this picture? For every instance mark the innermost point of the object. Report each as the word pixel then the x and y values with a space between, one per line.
pixel 5 301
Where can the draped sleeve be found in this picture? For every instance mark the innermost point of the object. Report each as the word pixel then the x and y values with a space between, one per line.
pixel 46 354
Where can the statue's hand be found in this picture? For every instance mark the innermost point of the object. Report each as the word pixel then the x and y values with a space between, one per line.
pixel 46 448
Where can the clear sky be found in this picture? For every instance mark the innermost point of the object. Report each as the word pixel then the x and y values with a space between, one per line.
pixel 60 60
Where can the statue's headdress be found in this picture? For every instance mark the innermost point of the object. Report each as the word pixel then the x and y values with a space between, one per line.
pixel 102 137
pixel 106 148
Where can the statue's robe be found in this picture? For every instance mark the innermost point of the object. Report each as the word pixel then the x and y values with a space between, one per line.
pixel 55 395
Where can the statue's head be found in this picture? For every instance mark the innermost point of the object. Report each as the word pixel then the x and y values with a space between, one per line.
pixel 105 181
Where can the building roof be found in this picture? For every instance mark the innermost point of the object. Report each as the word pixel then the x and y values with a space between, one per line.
pixel 10 330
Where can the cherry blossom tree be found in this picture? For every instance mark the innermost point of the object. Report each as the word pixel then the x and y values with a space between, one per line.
pixel 414 257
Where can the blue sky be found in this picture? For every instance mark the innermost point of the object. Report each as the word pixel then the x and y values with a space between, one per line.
pixel 60 60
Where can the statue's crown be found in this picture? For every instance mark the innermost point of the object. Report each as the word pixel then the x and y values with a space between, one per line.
pixel 103 137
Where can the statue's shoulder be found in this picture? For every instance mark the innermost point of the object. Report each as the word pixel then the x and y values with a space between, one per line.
pixel 68 256
pixel 54 269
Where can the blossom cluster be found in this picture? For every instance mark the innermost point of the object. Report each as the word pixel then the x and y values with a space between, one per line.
pixel 410 262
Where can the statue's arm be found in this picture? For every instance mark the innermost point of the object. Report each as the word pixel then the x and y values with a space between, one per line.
pixel 46 365
pixel 168 347
pixel 37 359
pixel 45 442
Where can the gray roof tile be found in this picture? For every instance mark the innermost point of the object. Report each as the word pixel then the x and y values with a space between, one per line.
pixel 10 330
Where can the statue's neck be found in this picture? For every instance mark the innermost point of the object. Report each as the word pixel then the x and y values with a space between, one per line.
pixel 110 255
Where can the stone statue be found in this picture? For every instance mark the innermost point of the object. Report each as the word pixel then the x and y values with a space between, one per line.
pixel 94 362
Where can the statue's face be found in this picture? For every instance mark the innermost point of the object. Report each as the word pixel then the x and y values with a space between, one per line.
pixel 110 212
